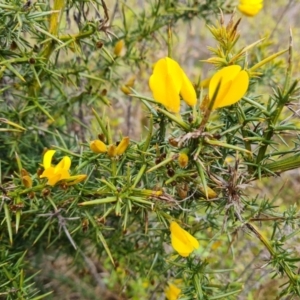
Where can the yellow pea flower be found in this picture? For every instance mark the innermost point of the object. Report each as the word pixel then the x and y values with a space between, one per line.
pixel 168 81
pixel 182 241
pixel 172 292
pixel 250 7
pixel 58 172
pixel 98 146
pixel 233 82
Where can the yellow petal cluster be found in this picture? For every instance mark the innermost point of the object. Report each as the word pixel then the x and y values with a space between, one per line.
pixel 172 292
pixel 250 7
pixel 168 82
pixel 182 241
pixel 112 150
pixel 59 172
pixel 55 173
pixel 233 83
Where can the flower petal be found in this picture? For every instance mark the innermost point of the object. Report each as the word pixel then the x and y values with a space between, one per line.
pixel 47 159
pixel 165 83
pixel 174 72
pixel 123 145
pixel 54 179
pixel 233 85
pixel 48 173
pixel 182 241
pixel 250 10
pixel 64 174
pixel 187 91
pixel 184 249
pixel 98 146
pixel 64 164
pixel 251 2
pixel 237 90
pixel 172 292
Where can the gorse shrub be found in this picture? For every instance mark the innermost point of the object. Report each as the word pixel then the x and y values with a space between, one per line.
pixel 155 215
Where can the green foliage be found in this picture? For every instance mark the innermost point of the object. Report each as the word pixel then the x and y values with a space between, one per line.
pixel 61 70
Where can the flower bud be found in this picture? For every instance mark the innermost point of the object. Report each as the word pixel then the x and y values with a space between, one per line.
pixel 98 146
pixel 183 159
pixel 119 47
pixel 121 148
pixel 130 81
pixel 27 181
pixel 111 151
pixel 211 194
pixel 125 89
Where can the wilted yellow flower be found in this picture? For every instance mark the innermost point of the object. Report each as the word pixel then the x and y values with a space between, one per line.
pixel 182 241
pixel 172 292
pixel 58 172
pixel 168 81
pixel 26 179
pixel 98 146
pixel 250 7
pixel 233 82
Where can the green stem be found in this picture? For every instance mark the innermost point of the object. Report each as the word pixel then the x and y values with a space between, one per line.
pixel 287 90
pixel 264 240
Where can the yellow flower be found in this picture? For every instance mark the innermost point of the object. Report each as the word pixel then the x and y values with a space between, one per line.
pixel 58 172
pixel 233 82
pixel 168 81
pixel 172 292
pixel 250 7
pixel 98 146
pixel 182 241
